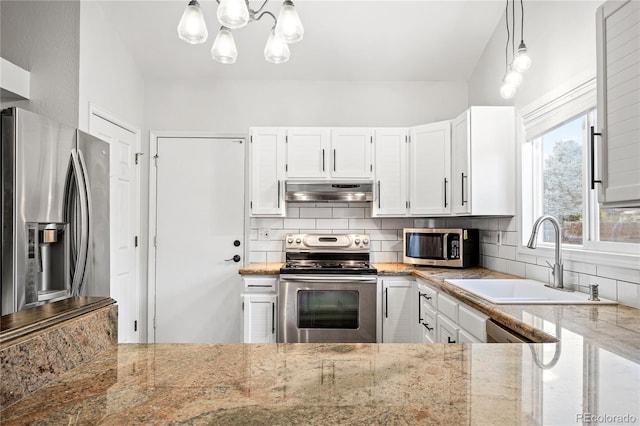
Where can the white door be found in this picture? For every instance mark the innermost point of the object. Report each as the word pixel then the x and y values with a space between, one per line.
pixel 199 205
pixel 351 153
pixel 123 224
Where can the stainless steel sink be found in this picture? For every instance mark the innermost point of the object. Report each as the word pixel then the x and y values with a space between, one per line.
pixel 523 292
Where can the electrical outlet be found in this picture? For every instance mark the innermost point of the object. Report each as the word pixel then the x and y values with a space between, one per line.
pixel 263 234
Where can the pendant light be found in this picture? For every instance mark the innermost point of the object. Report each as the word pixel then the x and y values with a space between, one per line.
pixel 276 50
pixel 224 47
pixel 522 61
pixel 233 13
pixel 508 88
pixel 192 28
pixel 288 25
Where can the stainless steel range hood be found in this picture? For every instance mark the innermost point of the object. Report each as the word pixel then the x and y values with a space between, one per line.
pixel 329 191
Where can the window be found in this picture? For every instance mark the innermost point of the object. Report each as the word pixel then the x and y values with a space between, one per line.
pixel 556 157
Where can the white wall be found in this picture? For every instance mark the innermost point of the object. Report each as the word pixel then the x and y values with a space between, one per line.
pixel 42 37
pixel 560 37
pixel 108 75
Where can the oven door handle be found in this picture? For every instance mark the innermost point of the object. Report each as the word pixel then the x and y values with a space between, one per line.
pixel 329 279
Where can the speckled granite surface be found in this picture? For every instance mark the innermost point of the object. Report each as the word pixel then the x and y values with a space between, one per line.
pixel 261 269
pixel 31 362
pixel 339 384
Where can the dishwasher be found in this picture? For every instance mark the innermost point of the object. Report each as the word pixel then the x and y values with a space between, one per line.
pixel 497 333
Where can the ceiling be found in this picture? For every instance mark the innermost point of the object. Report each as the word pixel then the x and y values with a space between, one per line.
pixel 348 40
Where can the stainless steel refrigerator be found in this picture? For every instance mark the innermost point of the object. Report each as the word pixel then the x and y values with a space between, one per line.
pixel 55 212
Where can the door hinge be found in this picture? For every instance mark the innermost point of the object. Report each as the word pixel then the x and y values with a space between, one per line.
pixel 155 159
pixel 370 167
pixel 406 139
pixel 371 139
pixel 138 154
pixel 250 204
pixel 243 306
pixel 408 203
pixel 136 241
pixel 251 138
pixel 286 167
pixel 154 322
pixel 155 241
pixel 286 139
pixel 135 325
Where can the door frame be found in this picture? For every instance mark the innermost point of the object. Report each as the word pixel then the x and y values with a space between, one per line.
pixel 153 216
pixel 108 116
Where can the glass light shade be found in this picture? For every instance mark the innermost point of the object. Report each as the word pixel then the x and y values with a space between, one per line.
pixel 276 49
pixel 233 13
pixel 513 77
pixel 522 61
pixel 289 26
pixel 224 48
pixel 507 91
pixel 192 28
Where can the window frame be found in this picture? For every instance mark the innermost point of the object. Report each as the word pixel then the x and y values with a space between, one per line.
pixel 569 101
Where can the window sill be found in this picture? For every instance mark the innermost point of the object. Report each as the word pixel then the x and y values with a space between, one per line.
pixel 618 260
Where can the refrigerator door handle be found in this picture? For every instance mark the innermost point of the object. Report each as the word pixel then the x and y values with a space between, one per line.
pixel 81 261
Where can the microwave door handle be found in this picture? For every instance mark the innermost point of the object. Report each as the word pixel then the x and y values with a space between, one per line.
pixel 445 239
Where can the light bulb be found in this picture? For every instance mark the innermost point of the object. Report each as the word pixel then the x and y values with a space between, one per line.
pixel 192 28
pixel 224 48
pixel 513 77
pixel 522 61
pixel 233 13
pixel 507 91
pixel 288 25
pixel 276 49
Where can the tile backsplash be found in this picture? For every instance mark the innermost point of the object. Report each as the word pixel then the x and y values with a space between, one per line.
pixel 498 244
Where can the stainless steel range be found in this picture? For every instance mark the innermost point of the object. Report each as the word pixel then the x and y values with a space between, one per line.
pixel 327 290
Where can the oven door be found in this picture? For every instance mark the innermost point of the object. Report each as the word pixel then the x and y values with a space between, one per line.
pixel 327 309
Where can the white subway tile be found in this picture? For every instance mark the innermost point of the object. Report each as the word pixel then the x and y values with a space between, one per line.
pixel 275 256
pixel 507 252
pixel 299 223
pixel 537 272
pixel 488 237
pixel 620 274
pixel 396 223
pixel 493 224
pixel 266 222
pixel 507 224
pixel 301 205
pixel 359 204
pixel 516 268
pixel 607 288
pixel 266 245
pixel 253 234
pixel 279 234
pixel 257 257
pixel 375 246
pixel 334 205
pixel 582 268
pixel 570 279
pixel 384 256
pixel 526 258
pixel 479 223
pixel 383 235
pixel 391 246
pixel 332 223
pixel 495 263
pixel 458 222
pixel 348 213
pixel 364 223
pixel 433 222
pixel 510 239
pixel 316 212
pixel 293 212
pixel 489 250
pixel 629 294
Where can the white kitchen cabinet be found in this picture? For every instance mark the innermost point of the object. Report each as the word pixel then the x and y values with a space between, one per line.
pixel 447 330
pixel 307 154
pixel 351 153
pixel 483 167
pixel 430 169
pixel 618 80
pixel 398 321
pixel 390 155
pixel 259 305
pixel 267 171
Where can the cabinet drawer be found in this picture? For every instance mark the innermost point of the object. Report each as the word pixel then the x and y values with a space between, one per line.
pixel 429 323
pixel 429 295
pixel 260 284
pixel 473 322
pixel 465 337
pixel 448 307
pixel 447 331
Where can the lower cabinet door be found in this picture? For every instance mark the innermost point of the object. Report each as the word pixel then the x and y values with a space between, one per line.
pixel 429 324
pixel 465 337
pixel 447 330
pixel 259 318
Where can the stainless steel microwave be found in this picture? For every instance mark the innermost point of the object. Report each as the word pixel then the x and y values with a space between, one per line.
pixel 455 248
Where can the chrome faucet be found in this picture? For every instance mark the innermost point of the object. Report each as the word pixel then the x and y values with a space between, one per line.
pixel 557 268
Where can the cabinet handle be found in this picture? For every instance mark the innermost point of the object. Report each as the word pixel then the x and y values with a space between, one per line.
pixel 334 160
pixel 278 194
pixel 593 157
pixel 426 296
pixel 449 340
pixel 445 193
pixel 462 189
pixel 323 160
pixel 420 294
pixel 427 326
pixel 386 303
pixel 273 318
pixel 378 194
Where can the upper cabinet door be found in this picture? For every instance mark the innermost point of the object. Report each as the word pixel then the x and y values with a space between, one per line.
pixel 460 146
pixel 307 153
pixel 390 153
pixel 618 53
pixel 430 169
pixel 267 171
pixel 351 153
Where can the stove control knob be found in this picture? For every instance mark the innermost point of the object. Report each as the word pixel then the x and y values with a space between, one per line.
pixel 290 240
pixel 298 240
pixel 357 241
pixel 365 241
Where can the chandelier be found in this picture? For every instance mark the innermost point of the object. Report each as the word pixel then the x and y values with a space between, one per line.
pixel 521 60
pixel 233 14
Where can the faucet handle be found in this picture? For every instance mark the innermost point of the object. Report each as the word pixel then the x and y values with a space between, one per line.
pixel 550 266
